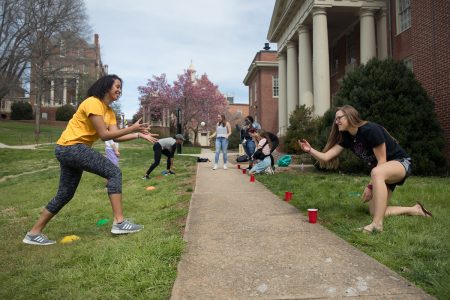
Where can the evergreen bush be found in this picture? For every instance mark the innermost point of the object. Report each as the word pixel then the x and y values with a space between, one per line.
pixel 302 125
pixel 386 92
pixel 234 139
pixel 21 111
pixel 64 113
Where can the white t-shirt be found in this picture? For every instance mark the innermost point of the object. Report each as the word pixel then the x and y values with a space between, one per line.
pixel 167 143
pixel 110 143
pixel 266 149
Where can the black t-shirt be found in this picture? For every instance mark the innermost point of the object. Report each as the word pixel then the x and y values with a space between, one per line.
pixel 369 136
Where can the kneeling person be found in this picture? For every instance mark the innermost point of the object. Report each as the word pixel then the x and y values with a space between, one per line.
pixel 262 153
pixel 166 146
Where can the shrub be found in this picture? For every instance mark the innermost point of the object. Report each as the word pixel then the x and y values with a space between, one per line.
pixel 21 111
pixel 64 113
pixel 386 92
pixel 234 139
pixel 302 125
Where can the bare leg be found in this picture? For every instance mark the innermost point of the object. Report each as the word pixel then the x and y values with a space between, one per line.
pixel 389 172
pixel 45 217
pixel 414 210
pixel 116 205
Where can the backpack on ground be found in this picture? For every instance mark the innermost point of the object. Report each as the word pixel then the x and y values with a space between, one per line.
pixel 202 159
pixel 284 161
pixel 242 158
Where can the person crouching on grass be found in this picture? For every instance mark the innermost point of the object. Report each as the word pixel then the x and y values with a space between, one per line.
pixel 93 119
pixel 380 151
pixel 167 147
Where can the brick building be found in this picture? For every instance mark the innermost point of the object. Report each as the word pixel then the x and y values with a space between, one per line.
pixel 70 71
pixel 319 41
pixel 262 82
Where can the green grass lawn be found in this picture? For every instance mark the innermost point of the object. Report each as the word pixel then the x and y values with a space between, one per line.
pixel 143 265
pixel 415 247
pixel 99 266
pixel 14 133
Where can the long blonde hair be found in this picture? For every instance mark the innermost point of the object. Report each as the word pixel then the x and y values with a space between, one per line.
pixel 335 136
pixel 263 135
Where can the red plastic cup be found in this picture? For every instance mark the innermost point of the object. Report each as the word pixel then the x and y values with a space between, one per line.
pixel 288 196
pixel 244 171
pixel 252 178
pixel 312 215
pixel 239 166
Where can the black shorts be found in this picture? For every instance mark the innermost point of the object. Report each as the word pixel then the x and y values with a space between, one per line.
pixel 407 164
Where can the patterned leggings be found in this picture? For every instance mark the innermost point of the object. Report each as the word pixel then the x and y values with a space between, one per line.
pixel 73 161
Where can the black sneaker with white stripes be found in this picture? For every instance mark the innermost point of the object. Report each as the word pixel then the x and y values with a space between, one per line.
pixel 37 239
pixel 125 227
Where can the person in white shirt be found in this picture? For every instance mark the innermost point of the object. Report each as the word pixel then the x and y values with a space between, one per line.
pixel 112 151
pixel 166 146
pixel 223 131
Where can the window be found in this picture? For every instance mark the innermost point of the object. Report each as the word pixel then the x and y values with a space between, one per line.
pixel 403 15
pixel 275 88
pixel 62 48
pixel 80 52
pixel 334 63
pixel 408 63
pixel 350 49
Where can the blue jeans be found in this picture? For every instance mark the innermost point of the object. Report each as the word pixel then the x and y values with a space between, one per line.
pixel 261 166
pixel 221 143
pixel 249 148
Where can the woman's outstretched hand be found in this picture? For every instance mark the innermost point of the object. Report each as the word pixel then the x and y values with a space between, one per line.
pixel 141 127
pixel 150 137
pixel 304 145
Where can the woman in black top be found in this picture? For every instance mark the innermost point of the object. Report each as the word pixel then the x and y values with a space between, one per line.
pixel 389 163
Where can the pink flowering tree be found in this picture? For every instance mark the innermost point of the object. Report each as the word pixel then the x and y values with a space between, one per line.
pixel 199 100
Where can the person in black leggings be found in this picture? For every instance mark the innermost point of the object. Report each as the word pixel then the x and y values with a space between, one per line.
pixel 93 119
pixel 167 147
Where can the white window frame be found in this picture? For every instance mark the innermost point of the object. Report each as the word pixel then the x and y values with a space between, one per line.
pixel 275 86
pixel 62 48
pixel 409 63
pixel 403 15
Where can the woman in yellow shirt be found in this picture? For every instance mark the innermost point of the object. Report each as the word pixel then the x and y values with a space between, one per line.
pixel 93 119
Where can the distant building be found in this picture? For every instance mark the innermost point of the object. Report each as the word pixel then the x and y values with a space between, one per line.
pixel 15 95
pixel 74 66
pixel 159 119
pixel 262 82
pixel 320 41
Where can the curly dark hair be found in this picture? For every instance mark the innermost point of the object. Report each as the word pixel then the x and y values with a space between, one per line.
pixel 102 86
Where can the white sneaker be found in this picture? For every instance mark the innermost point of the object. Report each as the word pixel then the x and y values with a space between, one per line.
pixel 225 167
pixel 215 167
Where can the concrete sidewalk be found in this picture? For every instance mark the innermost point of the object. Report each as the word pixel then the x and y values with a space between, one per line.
pixel 244 242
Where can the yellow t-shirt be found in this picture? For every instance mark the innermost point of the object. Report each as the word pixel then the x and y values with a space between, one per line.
pixel 80 129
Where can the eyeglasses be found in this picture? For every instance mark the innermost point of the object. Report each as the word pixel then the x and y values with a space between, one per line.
pixel 338 118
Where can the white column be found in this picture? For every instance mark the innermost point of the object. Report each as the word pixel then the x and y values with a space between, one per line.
pixel 292 78
pixel 305 80
pixel 367 35
pixel 382 35
pixel 52 93
pixel 282 95
pixel 76 90
pixel 65 92
pixel 321 65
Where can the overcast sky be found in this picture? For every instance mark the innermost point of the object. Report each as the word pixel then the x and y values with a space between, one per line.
pixel 142 38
